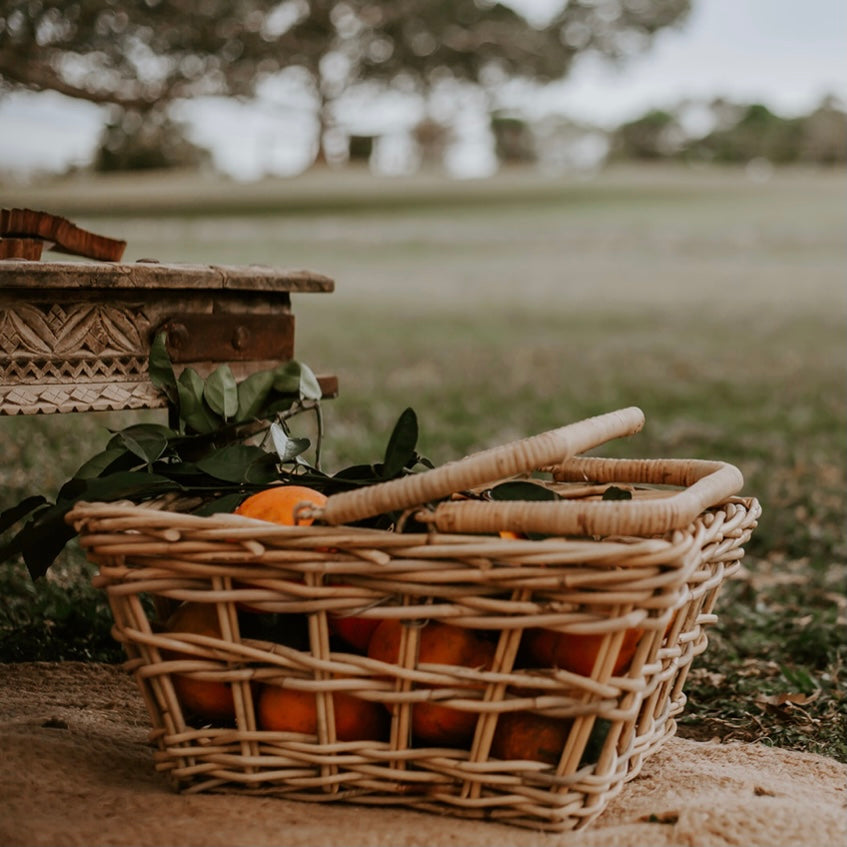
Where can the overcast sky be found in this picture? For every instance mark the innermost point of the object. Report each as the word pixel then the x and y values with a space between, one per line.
pixel 785 53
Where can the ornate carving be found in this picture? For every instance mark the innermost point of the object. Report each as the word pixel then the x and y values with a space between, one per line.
pixel 85 397
pixel 73 357
pixel 76 370
pixel 73 331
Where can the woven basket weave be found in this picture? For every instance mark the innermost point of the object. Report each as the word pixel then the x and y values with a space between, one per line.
pixel 658 575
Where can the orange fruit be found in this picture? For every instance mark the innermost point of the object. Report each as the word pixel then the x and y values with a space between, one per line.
pixel 525 735
pixel 278 504
pixel 205 698
pixel 354 630
pixel 286 710
pixel 442 644
pixel 575 652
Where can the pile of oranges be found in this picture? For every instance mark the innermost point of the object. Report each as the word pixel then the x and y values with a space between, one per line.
pixel 280 708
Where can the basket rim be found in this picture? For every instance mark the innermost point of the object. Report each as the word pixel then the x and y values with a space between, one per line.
pixel 229 526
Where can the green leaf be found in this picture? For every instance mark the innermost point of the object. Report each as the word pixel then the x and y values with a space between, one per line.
pixel 9 517
pixel 615 493
pixel 105 460
pixel 522 490
pixel 401 445
pixel 124 485
pixel 192 406
pixel 227 504
pixel 147 441
pixel 296 378
pixel 45 535
pixel 151 431
pixel 185 473
pixel 262 471
pixel 310 388
pixel 287 448
pixel 253 393
pixel 221 392
pixel 357 475
pixel 161 370
pixel 230 463
pixel 41 543
pixel 286 378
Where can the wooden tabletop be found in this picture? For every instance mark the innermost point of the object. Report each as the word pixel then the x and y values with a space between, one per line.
pixel 22 274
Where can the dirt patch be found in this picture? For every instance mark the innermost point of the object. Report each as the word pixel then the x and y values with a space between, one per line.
pixel 76 769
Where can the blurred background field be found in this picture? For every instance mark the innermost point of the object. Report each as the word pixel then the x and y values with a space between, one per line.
pixel 712 298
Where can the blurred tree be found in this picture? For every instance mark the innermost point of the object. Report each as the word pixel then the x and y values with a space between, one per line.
pixel 138 56
pixel 137 141
pixel 725 113
pixel 564 144
pixel 757 134
pixel 432 139
pixel 740 133
pixel 824 135
pixel 513 139
pixel 656 135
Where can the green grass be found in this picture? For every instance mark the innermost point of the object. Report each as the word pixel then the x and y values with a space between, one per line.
pixel 501 309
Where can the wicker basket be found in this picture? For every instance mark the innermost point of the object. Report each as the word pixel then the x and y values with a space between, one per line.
pixel 652 564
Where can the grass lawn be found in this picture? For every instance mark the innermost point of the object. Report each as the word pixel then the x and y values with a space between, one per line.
pixel 502 308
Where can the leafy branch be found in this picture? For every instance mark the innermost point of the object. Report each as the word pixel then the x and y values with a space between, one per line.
pixel 225 440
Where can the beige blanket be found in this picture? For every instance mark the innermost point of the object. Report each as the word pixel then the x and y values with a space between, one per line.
pixel 75 768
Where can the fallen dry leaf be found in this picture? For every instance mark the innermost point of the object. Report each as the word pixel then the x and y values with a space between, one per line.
pixel 792 699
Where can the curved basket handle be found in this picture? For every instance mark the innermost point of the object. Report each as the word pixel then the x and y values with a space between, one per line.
pixel 496 463
pixel 707 484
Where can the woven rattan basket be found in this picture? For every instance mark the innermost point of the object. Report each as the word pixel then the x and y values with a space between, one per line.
pixel 652 565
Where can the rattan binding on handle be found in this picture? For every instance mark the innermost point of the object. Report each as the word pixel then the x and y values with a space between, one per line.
pixel 490 465
pixel 705 484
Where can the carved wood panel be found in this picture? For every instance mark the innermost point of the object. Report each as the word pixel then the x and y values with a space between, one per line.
pixel 77 338
pixel 69 357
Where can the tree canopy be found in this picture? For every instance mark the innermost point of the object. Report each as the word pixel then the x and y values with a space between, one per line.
pixel 139 54
pixel 146 55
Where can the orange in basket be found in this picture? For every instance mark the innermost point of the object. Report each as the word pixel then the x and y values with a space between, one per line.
pixel 288 710
pixel 277 504
pixel 525 735
pixel 206 698
pixel 356 631
pixel 441 644
pixel 577 652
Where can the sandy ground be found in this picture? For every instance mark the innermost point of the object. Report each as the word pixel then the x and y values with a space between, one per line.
pixel 76 769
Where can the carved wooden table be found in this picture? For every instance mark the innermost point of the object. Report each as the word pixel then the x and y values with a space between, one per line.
pixel 76 336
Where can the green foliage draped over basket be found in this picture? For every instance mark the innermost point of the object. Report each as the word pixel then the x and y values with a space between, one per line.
pixel 225 440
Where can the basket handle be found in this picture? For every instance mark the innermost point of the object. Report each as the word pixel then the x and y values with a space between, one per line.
pixel 707 483
pixel 520 456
